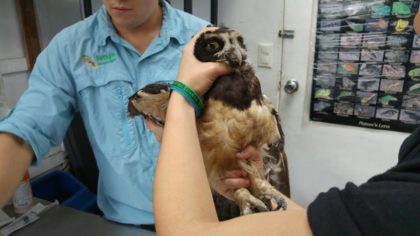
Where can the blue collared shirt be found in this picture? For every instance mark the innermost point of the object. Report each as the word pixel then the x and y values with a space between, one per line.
pixel 89 68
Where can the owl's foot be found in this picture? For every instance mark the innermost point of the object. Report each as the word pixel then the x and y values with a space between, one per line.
pixel 268 194
pixel 247 203
pixel 275 203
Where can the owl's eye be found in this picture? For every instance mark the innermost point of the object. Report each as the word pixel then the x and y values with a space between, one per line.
pixel 213 46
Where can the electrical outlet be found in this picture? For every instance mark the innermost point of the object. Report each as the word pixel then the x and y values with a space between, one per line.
pixel 265 55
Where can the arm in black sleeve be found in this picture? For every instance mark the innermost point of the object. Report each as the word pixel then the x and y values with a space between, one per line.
pixel 388 204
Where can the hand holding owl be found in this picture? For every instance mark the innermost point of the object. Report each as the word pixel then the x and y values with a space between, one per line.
pixel 233 179
pixel 196 74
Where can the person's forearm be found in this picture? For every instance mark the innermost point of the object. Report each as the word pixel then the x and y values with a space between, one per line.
pixel 184 196
pixel 15 157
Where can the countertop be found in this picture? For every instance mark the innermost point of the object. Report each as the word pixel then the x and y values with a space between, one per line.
pixel 64 221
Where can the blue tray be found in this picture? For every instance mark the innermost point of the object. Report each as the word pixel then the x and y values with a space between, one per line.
pixel 62 186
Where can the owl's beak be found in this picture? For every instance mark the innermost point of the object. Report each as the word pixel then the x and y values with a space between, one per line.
pixel 235 57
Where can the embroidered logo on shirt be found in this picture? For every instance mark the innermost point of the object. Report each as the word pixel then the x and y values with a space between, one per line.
pixel 89 61
pixel 98 60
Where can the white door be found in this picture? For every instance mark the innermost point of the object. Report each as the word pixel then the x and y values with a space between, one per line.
pixel 322 155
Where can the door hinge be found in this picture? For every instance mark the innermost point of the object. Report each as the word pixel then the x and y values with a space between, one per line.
pixel 287 34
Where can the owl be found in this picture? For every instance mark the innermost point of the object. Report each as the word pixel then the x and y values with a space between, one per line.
pixel 236 115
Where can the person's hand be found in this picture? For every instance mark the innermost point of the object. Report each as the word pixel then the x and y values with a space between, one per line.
pixel 199 75
pixel 156 129
pixel 234 179
pixel 252 155
pixel 230 181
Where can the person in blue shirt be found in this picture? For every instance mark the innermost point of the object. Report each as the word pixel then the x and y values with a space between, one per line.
pixel 93 67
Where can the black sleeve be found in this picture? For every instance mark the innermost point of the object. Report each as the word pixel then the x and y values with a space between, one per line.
pixel 328 215
pixel 388 204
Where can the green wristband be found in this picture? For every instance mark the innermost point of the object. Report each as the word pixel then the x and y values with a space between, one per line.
pixel 190 95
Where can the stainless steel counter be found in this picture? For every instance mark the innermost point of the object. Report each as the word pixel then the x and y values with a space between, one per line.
pixel 64 221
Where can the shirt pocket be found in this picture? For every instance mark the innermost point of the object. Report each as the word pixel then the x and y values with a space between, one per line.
pixel 103 104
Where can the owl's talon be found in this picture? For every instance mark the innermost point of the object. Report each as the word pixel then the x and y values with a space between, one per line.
pixel 260 208
pixel 246 211
pixel 248 203
pixel 281 203
pixel 274 202
pixel 250 208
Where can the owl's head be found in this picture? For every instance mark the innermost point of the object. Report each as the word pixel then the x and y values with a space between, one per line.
pixel 222 45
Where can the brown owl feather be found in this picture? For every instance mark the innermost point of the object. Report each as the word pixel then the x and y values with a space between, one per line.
pixel 236 115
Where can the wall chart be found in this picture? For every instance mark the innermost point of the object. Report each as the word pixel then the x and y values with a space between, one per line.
pixel 367 64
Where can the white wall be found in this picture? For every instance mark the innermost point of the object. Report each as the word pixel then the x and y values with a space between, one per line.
pixel 96 4
pixel 10 37
pixel 12 62
pixel 54 15
pixel 200 8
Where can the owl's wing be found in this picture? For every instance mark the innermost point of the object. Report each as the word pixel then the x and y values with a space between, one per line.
pixel 275 159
